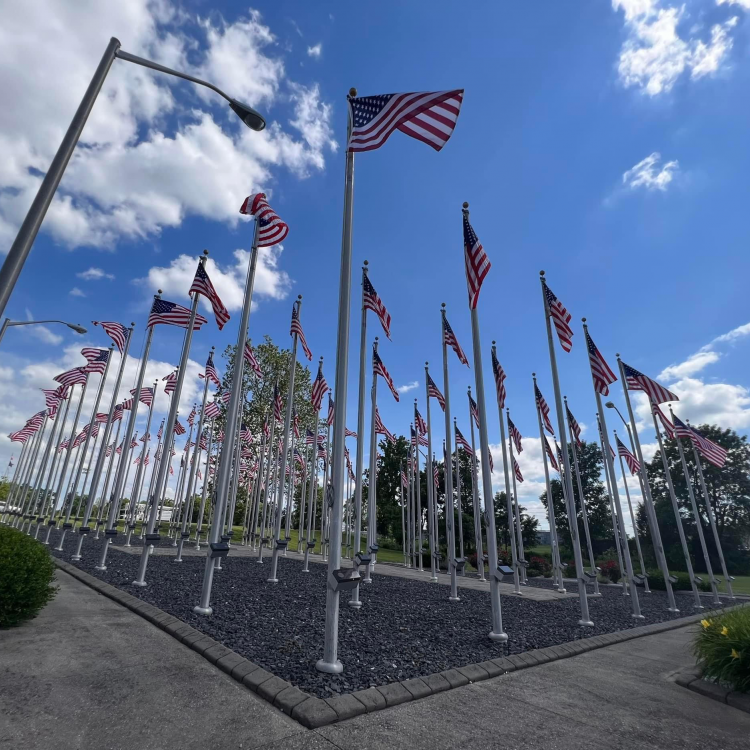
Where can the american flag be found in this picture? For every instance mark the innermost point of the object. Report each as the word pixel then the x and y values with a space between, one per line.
pixel 171 469
pixel 477 263
pixel 211 373
pixel 499 374
pixel 116 331
pixel 295 422
pixel 51 399
pixel 171 381
pixel 550 455
pixel 331 411
pixel 461 440
pixel 435 475
pixel 380 428
pixel 202 285
pixel 19 437
pixel 712 452
pixel 379 369
pixel 319 389
pixel 134 441
pixel 146 396
pixel 97 359
pixel 419 421
pixel 322 453
pixel 119 447
pixel 298 458
pixel 147 460
pixel 271 229
pixel 544 409
pixel 373 302
pixel 309 437
pixel 245 433
pixel 64 445
pixel 492 463
pixel 450 340
pixel 517 470
pixel 76 376
pixel 102 417
pixel 404 480
pixel 119 411
pixel 278 404
pixel 172 314
pixel 515 435
pixel 225 396
pixel 418 439
pixel 681 429
pixel 145 438
pixel 434 392
pixel 191 416
pixel 574 426
pixel 637 381
pixel 665 423
pixel 428 116
pixel 250 359
pixel 561 318
pixel 297 328
pixel 632 462
pixel 107 453
pixel 266 430
pixel 178 428
pixel 600 370
pixel 203 445
pixel 161 430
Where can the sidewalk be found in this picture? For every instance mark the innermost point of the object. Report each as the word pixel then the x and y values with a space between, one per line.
pixel 89 675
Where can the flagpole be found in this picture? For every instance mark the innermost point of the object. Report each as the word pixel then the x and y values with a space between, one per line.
pixel 151 493
pixel 281 545
pixel 696 516
pixel 475 496
pixel 23 491
pixel 582 499
pixel 312 499
pixel 678 519
pixel 431 499
pixel 458 499
pixel 712 521
pixel 179 497
pixel 324 520
pixel 585 620
pixel 258 494
pixel 303 498
pixel 404 523
pixel 270 477
pixel 199 524
pixel 34 502
pixel 36 472
pixel 17 473
pixel 372 479
pixel 232 499
pixel 508 498
pixel 618 529
pixel 648 501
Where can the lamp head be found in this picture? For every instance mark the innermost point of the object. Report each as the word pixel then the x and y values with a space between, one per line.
pixel 609 404
pixel 76 328
pixel 248 115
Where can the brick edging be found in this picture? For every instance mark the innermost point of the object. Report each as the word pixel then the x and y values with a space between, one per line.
pixel 313 712
pixel 692 680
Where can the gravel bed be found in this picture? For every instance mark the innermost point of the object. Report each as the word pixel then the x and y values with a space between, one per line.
pixel 405 628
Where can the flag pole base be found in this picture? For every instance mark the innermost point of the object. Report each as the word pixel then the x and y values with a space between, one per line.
pixel 586 623
pixel 77 558
pixel 498 637
pixel 355 604
pixel 272 580
pixel 638 617
pixel 454 598
pixel 328 667
pixel 140 584
pixel 100 567
pixel 203 610
pixel 673 609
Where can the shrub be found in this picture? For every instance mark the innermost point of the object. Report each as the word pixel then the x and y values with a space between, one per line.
pixel 656 581
pixel 611 570
pixel 540 565
pixel 722 648
pixel 26 573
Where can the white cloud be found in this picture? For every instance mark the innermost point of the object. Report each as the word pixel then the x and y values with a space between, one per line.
pixel 94 274
pixel 408 387
pixel 649 174
pixel 742 3
pixel 655 54
pixel 41 332
pixel 315 51
pixel 693 364
pixel 76 292
pixel 734 334
pixel 201 161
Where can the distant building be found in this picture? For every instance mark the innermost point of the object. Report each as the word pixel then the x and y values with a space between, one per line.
pixel 544 538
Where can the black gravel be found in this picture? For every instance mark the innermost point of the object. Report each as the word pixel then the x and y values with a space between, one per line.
pixel 405 628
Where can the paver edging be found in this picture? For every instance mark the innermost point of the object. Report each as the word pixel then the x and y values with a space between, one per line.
pixel 313 712
pixel 692 680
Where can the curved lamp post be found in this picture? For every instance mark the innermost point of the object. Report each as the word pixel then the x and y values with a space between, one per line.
pixel 21 247
pixel 7 323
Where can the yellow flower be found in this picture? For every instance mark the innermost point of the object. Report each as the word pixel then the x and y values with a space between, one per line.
pixel 725 631
pixel 706 624
pixel 735 655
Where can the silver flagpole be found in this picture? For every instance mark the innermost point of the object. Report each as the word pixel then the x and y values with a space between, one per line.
pixel 551 520
pixel 179 497
pixel 281 544
pixel 585 620
pixel 221 484
pixel 258 493
pixel 404 524
pixel 497 633
pixel 517 509
pixel 355 601
pixel 582 500
pixel 270 478
pixel 678 519
pixel 648 501
pixel 475 497
pixel 23 493
pixel 330 663
pixel 151 494
pixel 696 516
pixel 302 499
pixel 621 538
pixel 712 521
pixel 199 525
pixel 17 472
pixel 458 498
pixel 34 503
pixel 418 501
pixel 236 474
pixel 410 521
pixel 432 519
pixel 36 472
pixel 372 487
pixel 290 493
pixel 646 589
pixel 312 499
pixel 324 520
pixel 508 497
pixel 450 507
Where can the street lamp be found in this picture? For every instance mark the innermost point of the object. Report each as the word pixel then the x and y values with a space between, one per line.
pixel 21 247
pixel 8 322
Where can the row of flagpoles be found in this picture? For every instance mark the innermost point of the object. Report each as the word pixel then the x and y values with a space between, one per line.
pixel 261 465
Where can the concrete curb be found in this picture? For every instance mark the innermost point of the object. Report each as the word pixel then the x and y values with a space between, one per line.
pixel 692 680
pixel 314 712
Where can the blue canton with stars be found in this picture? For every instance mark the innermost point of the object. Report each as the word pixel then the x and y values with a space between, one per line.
pixel 366 108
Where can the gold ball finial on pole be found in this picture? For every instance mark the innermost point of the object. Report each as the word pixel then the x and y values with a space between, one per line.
pixel 299 296
pixel 158 291
pixel 367 263
pixel 466 204
pixel 583 320
pixel 352 92
pixel 533 374
pixel 205 252
pixel 442 305
pixel 541 273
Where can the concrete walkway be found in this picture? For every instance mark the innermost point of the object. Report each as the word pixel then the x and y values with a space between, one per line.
pixel 88 674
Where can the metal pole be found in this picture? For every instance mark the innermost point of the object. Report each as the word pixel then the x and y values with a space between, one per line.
pixel 21 496
pixel 475 497
pixel 270 479
pixel 517 509
pixel 404 524
pixel 458 498
pixel 199 524
pixel 372 488
pixel 16 473
pixel 620 537
pixel 432 520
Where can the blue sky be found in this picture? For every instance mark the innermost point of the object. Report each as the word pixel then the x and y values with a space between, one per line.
pixel 604 142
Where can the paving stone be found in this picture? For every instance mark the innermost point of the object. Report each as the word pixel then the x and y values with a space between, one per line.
pixel 455 678
pixel 371 699
pixel 739 700
pixel 505 664
pixel 288 698
pixel 229 662
pixel 517 661
pixel 710 690
pixel 314 713
pixel 190 638
pixel 203 644
pixel 436 682
pixel 685 678
pixel 492 669
pixel 541 655
pixel 394 694
pixel 474 672
pixel 269 689
pixel 417 687
pixel 346 706
pixel 256 678
pixel 216 652
pixel 243 669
